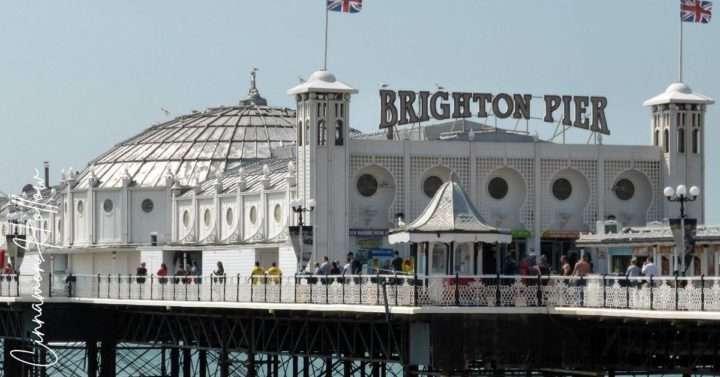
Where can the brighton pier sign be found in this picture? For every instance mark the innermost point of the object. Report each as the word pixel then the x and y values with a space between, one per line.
pixel 406 107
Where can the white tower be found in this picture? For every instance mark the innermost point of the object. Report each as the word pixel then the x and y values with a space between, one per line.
pixel 323 159
pixel 678 128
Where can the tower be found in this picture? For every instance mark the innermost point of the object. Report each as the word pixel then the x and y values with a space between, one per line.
pixel 678 128
pixel 323 159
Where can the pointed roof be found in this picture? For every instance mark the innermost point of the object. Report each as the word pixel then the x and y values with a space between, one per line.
pixel 678 92
pixel 450 216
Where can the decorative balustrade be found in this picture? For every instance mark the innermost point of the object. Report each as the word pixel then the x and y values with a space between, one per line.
pixel 595 291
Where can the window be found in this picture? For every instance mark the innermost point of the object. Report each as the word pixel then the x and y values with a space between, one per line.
pixel 80 206
pixel 339 133
pixel 186 218
pixel 656 138
pixel 367 185
pixel 147 205
pixel 624 189
pixel 207 217
pixel 229 216
pixel 666 141
pixel 253 215
pixel 561 189
pixel 439 259
pixel 431 185
pixel 696 141
pixel 681 140
pixel 277 213
pixel 498 188
pixel 300 134
pixel 108 205
pixel 322 133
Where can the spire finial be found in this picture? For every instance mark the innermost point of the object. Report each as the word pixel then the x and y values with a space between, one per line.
pixel 253 78
pixel 253 97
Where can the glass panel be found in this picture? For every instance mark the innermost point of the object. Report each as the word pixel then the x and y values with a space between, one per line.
pixel 438 264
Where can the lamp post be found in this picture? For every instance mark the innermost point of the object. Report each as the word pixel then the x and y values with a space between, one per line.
pixel 682 195
pixel 298 207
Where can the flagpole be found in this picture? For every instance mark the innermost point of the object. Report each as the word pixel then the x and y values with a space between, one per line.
pixel 680 57
pixel 324 66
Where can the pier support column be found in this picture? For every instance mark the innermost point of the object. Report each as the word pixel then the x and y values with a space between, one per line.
pixel 328 367
pixel 202 363
pixel 251 368
pixel 174 362
pixel 11 366
pixel 108 348
pixel 92 354
pixel 224 364
pixel 187 362
pixel 306 366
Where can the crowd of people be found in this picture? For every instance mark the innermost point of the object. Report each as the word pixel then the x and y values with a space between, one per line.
pixel 353 266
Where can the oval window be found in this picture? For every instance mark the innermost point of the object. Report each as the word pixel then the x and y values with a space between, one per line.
pixel 277 213
pixel 253 215
pixel 207 217
pixel 498 188
pixel 229 216
pixel 80 207
pixel 431 185
pixel 147 205
pixel 624 189
pixel 186 218
pixel 367 185
pixel 108 205
pixel 561 189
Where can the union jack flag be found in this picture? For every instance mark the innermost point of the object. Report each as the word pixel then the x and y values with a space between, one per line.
pixel 346 6
pixel 697 11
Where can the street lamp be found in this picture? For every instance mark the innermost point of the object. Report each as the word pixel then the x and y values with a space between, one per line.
pixel 681 195
pixel 298 207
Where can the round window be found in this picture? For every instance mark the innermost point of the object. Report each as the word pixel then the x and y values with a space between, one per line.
pixel 561 189
pixel 367 185
pixel 186 218
pixel 108 205
pixel 207 217
pixel 277 213
pixel 80 206
pixel 147 205
pixel 498 188
pixel 229 216
pixel 431 185
pixel 253 215
pixel 624 189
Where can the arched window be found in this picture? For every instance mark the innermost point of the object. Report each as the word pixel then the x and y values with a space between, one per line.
pixel 681 140
pixel 666 140
pixel 300 134
pixel 696 141
pixel 339 132
pixel 322 133
pixel 656 139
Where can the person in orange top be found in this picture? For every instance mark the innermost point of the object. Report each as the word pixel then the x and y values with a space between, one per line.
pixel 161 273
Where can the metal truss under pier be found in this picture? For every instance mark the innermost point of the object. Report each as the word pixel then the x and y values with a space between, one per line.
pixel 109 341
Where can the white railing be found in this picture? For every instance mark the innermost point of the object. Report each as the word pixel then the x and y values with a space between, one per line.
pixel 595 291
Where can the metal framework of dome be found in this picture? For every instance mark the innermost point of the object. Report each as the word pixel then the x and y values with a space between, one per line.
pixel 450 216
pixel 195 147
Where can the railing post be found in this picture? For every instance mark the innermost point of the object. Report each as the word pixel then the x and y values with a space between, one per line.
pixel 627 292
pixel 539 290
pixel 224 283
pixel 497 289
pixel 49 284
pixel 265 279
pixel 296 288
pixel 457 288
pixel 397 282
pixel 327 289
pixel 212 279
pixel 677 294
pixel 198 283
pixel 152 278
pixel 415 291
pixel 109 283
pixel 17 285
pixel 377 287
pixel 651 293
pixel 280 287
pixel 130 288
pixel 604 281
pixel 342 283
pixel 702 292
pixel 119 284
pixel 311 285
pixel 582 291
pixel 252 288
pixel 237 290
pixel 360 286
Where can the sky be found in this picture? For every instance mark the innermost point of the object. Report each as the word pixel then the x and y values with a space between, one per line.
pixel 78 76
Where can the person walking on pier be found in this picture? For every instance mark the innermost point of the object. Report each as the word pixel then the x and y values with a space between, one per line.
pixel 141 272
pixel 649 268
pixel 220 273
pixel 566 270
pixel 274 273
pixel 397 262
pixel 162 273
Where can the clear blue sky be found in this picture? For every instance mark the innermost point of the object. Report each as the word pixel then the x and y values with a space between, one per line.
pixel 78 76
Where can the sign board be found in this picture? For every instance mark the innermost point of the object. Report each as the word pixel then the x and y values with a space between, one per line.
pixel 406 107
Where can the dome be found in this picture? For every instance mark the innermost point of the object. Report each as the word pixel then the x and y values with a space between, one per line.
pixel 195 147
pixel 322 76
pixel 678 87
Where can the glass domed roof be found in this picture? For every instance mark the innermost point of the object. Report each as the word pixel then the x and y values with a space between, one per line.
pixel 195 147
